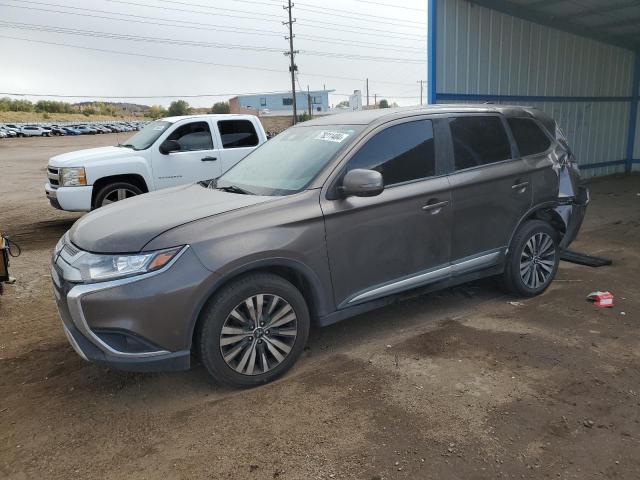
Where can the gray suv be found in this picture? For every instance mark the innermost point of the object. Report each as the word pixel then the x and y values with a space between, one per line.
pixel 329 219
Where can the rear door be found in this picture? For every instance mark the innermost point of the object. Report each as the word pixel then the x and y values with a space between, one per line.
pixel 381 245
pixel 198 158
pixel 238 138
pixel 490 184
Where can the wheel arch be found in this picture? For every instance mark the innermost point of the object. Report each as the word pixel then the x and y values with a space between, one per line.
pixel 133 178
pixel 298 274
pixel 545 212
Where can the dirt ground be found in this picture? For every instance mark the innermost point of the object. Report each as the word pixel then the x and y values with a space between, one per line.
pixel 461 384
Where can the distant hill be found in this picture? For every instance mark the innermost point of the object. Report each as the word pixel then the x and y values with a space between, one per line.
pixel 123 106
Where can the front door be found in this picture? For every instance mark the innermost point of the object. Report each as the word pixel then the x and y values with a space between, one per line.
pixel 490 187
pixel 380 245
pixel 198 158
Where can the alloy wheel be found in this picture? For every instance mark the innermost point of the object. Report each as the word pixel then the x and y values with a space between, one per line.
pixel 117 195
pixel 258 334
pixel 537 260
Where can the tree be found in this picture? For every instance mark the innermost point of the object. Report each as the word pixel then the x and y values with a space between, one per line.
pixel 383 103
pixel 343 103
pixel 179 107
pixel 156 111
pixel 304 116
pixel 221 107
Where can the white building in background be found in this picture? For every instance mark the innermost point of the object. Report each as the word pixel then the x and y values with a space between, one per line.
pixel 355 100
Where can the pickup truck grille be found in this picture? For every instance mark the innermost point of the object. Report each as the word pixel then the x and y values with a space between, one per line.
pixel 52 174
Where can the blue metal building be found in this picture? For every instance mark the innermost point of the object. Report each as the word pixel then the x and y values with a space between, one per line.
pixel 578 60
pixel 282 102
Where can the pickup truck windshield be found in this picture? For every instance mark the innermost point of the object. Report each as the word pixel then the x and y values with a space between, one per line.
pixel 147 136
pixel 287 163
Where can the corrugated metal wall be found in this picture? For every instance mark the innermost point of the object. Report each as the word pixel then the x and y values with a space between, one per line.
pixel 484 52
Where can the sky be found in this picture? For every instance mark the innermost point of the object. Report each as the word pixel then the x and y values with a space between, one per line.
pixel 165 50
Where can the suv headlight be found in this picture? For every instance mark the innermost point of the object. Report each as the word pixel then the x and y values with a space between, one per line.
pixel 95 267
pixel 72 176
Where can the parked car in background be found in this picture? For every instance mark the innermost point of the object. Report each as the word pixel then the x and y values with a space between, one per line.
pixel 57 130
pixel 168 152
pixel 329 219
pixel 85 129
pixel 9 132
pixel 32 131
pixel 71 131
pixel 3 134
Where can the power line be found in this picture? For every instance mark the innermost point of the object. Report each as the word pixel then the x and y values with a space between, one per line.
pixel 245 31
pixel 171 41
pixel 315 24
pixel 198 95
pixel 376 18
pixel 277 18
pixel 391 5
pixel 183 60
pixel 186 24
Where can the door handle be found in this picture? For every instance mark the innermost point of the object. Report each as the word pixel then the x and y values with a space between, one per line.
pixel 520 186
pixel 435 208
pixel 209 159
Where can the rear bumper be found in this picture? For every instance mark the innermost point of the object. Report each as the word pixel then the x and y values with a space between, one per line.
pixel 72 199
pixel 573 215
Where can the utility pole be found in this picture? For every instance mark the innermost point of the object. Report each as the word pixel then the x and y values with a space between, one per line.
pixel 309 101
pixel 375 100
pixel 421 82
pixel 367 92
pixel 293 68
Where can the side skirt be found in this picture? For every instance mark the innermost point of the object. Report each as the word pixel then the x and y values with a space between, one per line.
pixel 352 311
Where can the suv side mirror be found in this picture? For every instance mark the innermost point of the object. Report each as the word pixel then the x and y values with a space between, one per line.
pixel 169 146
pixel 362 183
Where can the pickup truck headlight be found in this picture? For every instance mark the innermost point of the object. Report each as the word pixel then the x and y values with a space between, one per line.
pixel 95 267
pixel 72 177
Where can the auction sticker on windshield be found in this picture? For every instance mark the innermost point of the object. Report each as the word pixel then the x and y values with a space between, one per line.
pixel 337 137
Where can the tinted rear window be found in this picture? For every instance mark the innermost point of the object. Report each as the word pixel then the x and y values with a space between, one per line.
pixel 528 136
pixel 478 140
pixel 237 133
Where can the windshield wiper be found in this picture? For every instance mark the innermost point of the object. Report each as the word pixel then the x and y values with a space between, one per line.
pixel 235 189
pixel 127 145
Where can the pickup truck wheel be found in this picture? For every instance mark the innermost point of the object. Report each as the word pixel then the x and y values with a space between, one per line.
pixel 253 330
pixel 533 259
pixel 114 192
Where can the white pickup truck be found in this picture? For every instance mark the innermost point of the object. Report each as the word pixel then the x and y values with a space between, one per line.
pixel 165 153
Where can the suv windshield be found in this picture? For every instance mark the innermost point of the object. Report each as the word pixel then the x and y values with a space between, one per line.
pixel 289 162
pixel 147 136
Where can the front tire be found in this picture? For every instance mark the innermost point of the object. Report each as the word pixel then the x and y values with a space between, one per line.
pixel 114 192
pixel 533 258
pixel 253 330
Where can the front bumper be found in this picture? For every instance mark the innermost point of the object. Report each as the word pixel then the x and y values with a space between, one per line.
pixel 140 323
pixel 71 199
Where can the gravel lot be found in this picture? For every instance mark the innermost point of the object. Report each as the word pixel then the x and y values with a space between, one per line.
pixel 461 384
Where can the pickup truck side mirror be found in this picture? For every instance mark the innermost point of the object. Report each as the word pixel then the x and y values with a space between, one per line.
pixel 169 146
pixel 362 183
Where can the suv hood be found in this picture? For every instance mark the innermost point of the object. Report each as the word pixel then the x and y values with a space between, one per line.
pixel 127 226
pixel 80 158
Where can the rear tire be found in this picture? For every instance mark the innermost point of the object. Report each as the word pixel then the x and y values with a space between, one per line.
pixel 114 192
pixel 533 258
pixel 253 330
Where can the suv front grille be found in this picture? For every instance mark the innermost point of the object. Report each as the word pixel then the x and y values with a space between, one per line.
pixel 54 179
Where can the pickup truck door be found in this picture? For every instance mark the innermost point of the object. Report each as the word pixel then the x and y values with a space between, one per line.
pixel 238 139
pixel 198 158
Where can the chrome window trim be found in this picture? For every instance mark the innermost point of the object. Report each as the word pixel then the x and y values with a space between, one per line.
pixel 78 292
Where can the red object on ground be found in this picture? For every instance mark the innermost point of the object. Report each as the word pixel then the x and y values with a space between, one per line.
pixel 601 299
